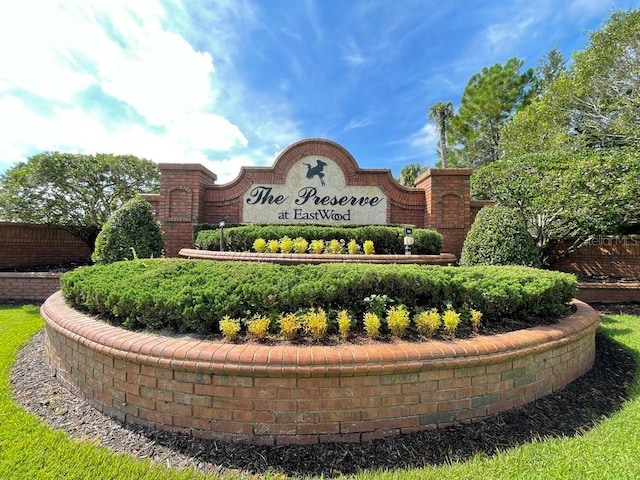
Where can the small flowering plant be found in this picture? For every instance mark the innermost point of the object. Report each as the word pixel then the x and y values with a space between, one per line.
pixel 377 303
pixel 316 323
pixel 352 247
pixel 398 320
pixel 273 246
pixel 230 328
pixel 372 324
pixel 260 245
pixel 427 322
pixel 368 247
pixel 476 319
pixel 344 324
pixel 258 327
pixel 286 245
pixel 451 320
pixel 317 246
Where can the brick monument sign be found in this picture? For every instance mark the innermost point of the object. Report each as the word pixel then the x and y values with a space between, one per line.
pixel 312 181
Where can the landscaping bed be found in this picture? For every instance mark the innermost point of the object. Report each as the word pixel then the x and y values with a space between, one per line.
pixel 571 411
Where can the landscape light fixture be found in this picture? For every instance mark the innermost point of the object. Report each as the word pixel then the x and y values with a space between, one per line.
pixel 222 224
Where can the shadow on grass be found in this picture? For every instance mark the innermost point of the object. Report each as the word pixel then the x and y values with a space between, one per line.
pixel 608 327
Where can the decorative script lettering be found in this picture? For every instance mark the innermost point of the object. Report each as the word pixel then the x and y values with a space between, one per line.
pixel 309 196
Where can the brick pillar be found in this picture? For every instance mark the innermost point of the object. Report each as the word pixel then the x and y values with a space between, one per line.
pixel 447 191
pixel 181 203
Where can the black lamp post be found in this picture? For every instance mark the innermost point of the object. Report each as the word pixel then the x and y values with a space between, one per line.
pixel 222 225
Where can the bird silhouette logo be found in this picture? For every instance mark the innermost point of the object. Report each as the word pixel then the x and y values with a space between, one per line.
pixel 316 171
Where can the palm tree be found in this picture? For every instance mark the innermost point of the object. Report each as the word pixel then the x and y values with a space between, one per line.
pixel 440 114
pixel 410 173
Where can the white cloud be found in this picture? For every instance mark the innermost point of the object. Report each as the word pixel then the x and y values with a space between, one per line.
pixel 354 56
pixel 206 131
pixel 426 138
pixel 507 33
pixel 123 49
pixel 356 123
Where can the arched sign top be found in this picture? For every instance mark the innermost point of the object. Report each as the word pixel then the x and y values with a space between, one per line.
pixel 321 147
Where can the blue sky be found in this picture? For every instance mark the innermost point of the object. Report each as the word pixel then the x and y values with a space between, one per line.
pixel 228 83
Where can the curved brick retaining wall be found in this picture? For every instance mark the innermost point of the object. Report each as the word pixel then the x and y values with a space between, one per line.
pixel 295 394
pixel 298 258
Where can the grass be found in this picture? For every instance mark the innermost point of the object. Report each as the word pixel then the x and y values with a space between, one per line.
pixel 31 450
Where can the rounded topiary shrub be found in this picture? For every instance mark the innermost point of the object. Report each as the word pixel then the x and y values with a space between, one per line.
pixel 130 232
pixel 498 236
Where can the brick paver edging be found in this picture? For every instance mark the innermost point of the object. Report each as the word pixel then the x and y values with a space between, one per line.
pixel 298 258
pixel 277 394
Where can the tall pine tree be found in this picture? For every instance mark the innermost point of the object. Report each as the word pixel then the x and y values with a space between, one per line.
pixel 490 100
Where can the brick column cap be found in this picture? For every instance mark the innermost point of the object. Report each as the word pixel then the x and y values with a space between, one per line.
pixel 433 172
pixel 187 167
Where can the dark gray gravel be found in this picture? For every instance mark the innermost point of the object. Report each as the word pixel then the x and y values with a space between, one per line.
pixel 569 412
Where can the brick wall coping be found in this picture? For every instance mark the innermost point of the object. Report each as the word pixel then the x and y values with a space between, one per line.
pixel 297 258
pixel 23 275
pixel 609 292
pixel 217 357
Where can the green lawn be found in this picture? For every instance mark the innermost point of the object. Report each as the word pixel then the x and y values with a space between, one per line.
pixel 31 450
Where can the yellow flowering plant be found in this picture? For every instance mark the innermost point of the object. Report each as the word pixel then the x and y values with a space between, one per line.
pixel 289 325
pixel 372 324
pixel 427 322
pixel 260 245
pixel 398 320
pixel 344 324
pixel 230 328
pixel 316 323
pixel 450 319
pixel 258 326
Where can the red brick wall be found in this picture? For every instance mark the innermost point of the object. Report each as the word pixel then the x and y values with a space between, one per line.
pixel 32 286
pixel 279 394
pixel 601 292
pixel 24 245
pixel 604 256
pixel 448 204
pixel 189 195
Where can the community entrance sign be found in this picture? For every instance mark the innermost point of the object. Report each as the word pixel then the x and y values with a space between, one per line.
pixel 312 181
pixel 315 191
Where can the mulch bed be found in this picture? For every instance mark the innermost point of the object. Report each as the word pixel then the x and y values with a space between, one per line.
pixel 568 412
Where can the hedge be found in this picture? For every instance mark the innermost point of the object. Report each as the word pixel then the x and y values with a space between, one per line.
pixel 387 240
pixel 499 236
pixel 192 296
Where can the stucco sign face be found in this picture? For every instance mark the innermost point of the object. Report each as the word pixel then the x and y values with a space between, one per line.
pixel 315 192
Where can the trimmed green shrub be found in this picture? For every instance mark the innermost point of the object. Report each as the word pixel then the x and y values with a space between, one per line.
pixel 387 240
pixel 193 296
pixel 498 236
pixel 130 232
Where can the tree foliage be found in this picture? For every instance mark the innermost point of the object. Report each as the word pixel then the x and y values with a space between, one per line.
pixel 595 104
pixel 566 194
pixel 409 173
pixel 549 69
pixel 489 101
pixel 440 114
pixel 130 232
pixel 77 191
